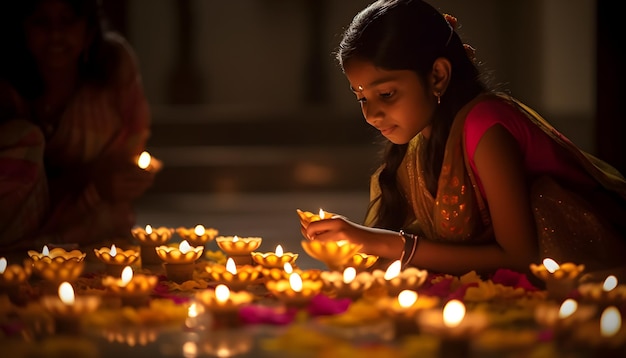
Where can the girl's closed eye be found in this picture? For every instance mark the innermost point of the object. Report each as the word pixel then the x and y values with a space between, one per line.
pixel 386 95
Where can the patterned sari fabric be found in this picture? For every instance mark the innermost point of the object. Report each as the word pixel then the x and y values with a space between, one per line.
pixel 99 123
pixel 583 226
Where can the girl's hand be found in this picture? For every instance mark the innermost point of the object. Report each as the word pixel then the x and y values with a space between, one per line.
pixel 121 181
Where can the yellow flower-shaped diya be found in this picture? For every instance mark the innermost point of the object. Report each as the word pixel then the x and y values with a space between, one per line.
pixel 395 280
pixel 149 238
pixel 223 303
pixel 306 217
pixel 197 236
pixel 116 259
pixel 295 291
pixel 67 309
pixel 179 261
pixel 237 278
pixel 604 294
pixel 560 280
pixel 56 254
pixel 334 254
pixel 133 289
pixel 275 273
pixel 361 261
pixel 239 248
pixel 348 283
pixel 56 266
pixel 13 277
pixel 276 259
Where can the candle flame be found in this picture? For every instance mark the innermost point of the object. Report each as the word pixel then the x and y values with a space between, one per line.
pixel 393 270
pixel 287 267
pixel 113 251
pixel 192 310
pixel 609 283
pixel 568 307
pixel 321 215
pixel 127 275
pixel 184 247
pixel 148 229
pixel 230 266
pixel 406 298
pixel 550 265
pixel 3 265
pixel 199 230
pixel 45 251
pixel 349 274
pixel 144 160
pixel 610 321
pixel 190 349
pixel 279 250
pixel 222 293
pixel 66 293
pixel 453 313
pixel 295 281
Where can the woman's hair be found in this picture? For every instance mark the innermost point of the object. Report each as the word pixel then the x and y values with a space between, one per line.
pixel 17 64
pixel 411 35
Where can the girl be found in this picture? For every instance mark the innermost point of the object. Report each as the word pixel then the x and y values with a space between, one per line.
pixel 73 119
pixel 471 179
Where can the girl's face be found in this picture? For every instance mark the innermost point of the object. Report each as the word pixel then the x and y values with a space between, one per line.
pixel 395 102
pixel 55 34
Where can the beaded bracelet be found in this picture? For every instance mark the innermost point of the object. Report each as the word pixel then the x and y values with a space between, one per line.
pixel 410 245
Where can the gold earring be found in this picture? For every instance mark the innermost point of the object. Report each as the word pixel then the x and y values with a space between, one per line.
pixel 438 95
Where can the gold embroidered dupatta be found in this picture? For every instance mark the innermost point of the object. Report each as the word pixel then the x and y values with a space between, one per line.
pixel 568 226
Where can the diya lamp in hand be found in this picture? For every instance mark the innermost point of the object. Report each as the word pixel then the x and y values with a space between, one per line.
pixel 67 309
pixel 224 304
pixel 235 277
pixel 294 292
pixel 560 280
pixel 276 259
pixel 13 277
pixel 179 261
pixel 334 254
pixel 197 236
pixel 149 238
pixel 239 248
pixel 133 289
pixel 116 259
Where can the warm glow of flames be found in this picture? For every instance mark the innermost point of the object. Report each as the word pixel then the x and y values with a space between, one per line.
pixel 321 215
pixel 235 238
pixel 127 275
pixel 45 251
pixel 609 283
pixel 3 265
pixel 184 247
pixel 279 250
pixel 568 307
pixel 349 274
pixel 610 321
pixel 453 313
pixel 190 349
pixel 393 270
pixel 66 293
pixel 406 298
pixel 230 266
pixel 550 265
pixel 113 251
pixel 148 229
pixel 222 293
pixel 199 230
pixel 287 267
pixel 192 310
pixel 295 281
pixel 144 160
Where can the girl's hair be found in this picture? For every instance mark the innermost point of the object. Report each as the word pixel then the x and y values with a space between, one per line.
pixel 411 35
pixel 18 66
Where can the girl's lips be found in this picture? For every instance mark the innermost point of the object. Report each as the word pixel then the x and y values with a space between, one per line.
pixel 387 131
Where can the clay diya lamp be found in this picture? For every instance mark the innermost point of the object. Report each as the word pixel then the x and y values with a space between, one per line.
pixel 294 292
pixel 67 309
pixel 13 277
pixel 564 317
pixel 361 262
pixel 197 236
pixel 56 266
pixel 224 304
pixel 404 309
pixel 334 254
pixel 276 259
pixel 133 289
pixel 276 273
pixel 346 284
pixel 149 238
pixel 560 280
pixel 395 280
pixel 115 259
pixel 237 278
pixel 239 248
pixel 607 293
pixel 179 261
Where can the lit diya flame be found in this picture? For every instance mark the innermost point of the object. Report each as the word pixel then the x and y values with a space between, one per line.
pixel 235 238
pixel 192 310
pixel 550 265
pixel 230 266
pixel 184 247
pixel 288 268
pixel 45 251
pixel 349 274
pixel 199 230
pixel 295 281
pixel 144 160
pixel 279 250
pixel 148 229
pixel 393 270
pixel 66 293
pixel 568 307
pixel 406 298
pixel 321 214
pixel 610 321
pixel 3 265
pixel 609 283
pixel 113 251
pixel 453 313
pixel 127 275
pixel 222 293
